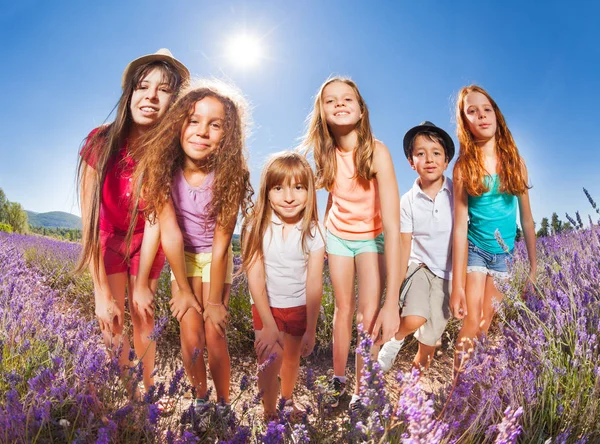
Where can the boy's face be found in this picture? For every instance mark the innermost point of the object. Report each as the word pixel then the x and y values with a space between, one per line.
pixel 428 159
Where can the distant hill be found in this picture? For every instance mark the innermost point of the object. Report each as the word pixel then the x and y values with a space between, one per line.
pixel 54 219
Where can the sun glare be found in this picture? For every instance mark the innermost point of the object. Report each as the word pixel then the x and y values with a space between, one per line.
pixel 244 50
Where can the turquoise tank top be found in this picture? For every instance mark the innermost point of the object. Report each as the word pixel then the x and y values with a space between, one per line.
pixel 489 212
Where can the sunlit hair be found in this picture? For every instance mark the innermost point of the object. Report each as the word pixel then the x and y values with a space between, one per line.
pixel 469 168
pixel 106 143
pixel 284 168
pixel 319 138
pixel 161 155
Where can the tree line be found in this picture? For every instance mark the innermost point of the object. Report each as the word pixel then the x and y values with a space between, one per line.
pixel 13 217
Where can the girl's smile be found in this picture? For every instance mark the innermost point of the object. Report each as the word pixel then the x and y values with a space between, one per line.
pixel 150 99
pixel 203 131
pixel 288 201
pixel 340 105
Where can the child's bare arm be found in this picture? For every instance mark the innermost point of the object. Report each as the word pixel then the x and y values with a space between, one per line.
pixel 458 302
pixel 106 308
pixel 215 310
pixel 172 243
pixel 142 296
pixel 388 320
pixel 267 339
pixel 528 229
pixel 314 294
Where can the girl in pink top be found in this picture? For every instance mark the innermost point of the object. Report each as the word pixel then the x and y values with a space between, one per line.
pixel 194 179
pixel 362 220
pixel 150 84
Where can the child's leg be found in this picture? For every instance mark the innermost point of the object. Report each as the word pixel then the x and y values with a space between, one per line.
pixel 491 296
pixel 218 352
pixel 341 271
pixel 409 325
pixel 471 328
pixel 423 357
pixel 114 338
pixel 370 268
pixel 268 382
pixel 145 349
pixel 290 365
pixel 193 341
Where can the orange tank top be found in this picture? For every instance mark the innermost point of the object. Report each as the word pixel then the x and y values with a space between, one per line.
pixel 355 212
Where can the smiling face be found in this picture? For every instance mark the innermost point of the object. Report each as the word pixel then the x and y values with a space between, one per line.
pixel 340 105
pixel 480 116
pixel 428 159
pixel 203 130
pixel 289 201
pixel 150 98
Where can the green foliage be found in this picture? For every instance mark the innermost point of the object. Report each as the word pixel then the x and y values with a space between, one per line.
pixel 17 217
pixel 69 234
pixel 5 227
pixel 544 229
pixel 3 203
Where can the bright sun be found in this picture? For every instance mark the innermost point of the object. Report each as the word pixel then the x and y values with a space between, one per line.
pixel 244 50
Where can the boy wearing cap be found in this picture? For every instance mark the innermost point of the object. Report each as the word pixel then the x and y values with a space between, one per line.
pixel 426 226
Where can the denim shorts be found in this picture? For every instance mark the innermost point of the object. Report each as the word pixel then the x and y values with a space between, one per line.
pixel 495 265
pixel 352 248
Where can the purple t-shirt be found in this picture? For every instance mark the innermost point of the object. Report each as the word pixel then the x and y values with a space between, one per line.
pixel 192 205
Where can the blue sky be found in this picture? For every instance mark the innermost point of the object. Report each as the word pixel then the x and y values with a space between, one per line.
pixel 63 63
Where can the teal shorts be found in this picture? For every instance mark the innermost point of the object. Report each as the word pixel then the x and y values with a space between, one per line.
pixel 352 248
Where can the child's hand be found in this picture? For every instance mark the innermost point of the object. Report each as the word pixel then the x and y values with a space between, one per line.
pixel 181 302
pixel 268 341
pixel 386 325
pixel 530 284
pixel 218 316
pixel 307 344
pixel 143 302
pixel 108 313
pixel 458 303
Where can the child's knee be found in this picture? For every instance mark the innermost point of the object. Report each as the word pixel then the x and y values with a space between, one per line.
pixel 213 337
pixel 344 307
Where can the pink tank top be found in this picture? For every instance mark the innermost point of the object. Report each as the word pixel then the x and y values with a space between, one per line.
pixel 191 207
pixel 355 212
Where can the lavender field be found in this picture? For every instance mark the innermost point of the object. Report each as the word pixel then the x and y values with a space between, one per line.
pixel 536 379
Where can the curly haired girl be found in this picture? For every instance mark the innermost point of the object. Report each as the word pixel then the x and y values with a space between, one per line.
pixel 194 179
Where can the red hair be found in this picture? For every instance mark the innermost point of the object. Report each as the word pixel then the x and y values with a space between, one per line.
pixel 469 167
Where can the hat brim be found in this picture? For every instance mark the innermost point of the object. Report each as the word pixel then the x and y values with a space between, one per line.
pixel 180 67
pixel 410 134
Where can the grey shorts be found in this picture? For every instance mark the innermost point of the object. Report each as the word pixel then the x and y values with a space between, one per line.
pixel 427 296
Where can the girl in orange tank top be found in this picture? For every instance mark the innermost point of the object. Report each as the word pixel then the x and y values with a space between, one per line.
pixel 362 221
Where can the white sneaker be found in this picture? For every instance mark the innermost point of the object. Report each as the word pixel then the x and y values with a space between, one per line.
pixel 388 354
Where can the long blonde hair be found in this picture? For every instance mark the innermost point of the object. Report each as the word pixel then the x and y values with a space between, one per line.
pixel 282 168
pixel 469 168
pixel 318 137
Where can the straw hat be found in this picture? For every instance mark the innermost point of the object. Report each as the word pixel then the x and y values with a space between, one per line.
pixel 162 54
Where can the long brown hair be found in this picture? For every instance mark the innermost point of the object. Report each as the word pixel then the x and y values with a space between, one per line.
pixel 318 137
pixel 105 143
pixel 281 169
pixel 162 155
pixel 469 168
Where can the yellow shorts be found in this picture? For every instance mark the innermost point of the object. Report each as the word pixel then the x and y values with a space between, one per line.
pixel 198 265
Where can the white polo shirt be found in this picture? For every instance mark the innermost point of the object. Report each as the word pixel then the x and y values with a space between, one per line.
pixel 430 222
pixel 286 263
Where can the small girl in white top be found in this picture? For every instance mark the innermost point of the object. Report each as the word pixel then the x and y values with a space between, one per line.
pixel 283 255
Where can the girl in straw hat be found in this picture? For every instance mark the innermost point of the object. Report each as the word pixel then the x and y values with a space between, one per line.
pixel 150 84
